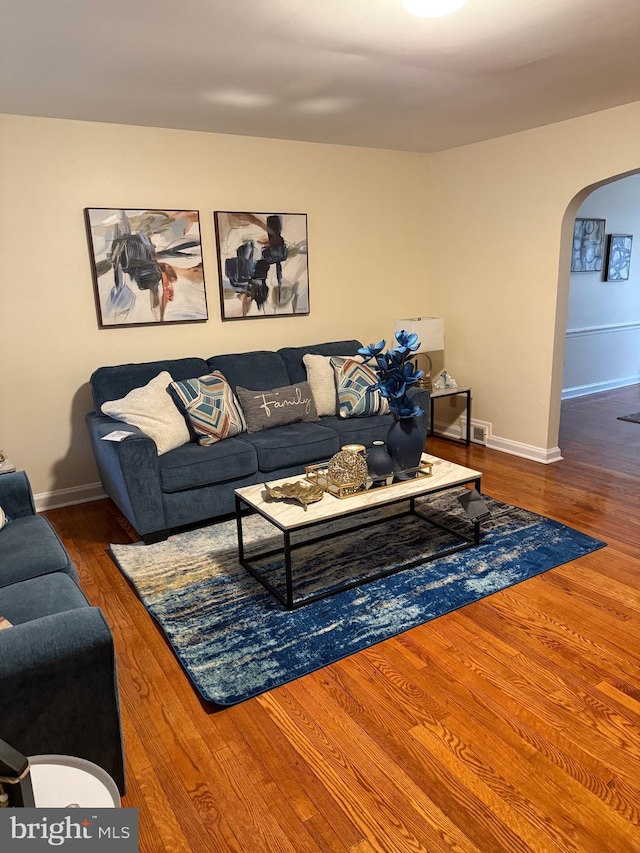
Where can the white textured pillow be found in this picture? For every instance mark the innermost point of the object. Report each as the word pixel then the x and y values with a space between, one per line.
pixel 152 410
pixel 322 380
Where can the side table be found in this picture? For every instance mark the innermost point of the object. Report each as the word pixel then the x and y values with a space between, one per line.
pixel 436 394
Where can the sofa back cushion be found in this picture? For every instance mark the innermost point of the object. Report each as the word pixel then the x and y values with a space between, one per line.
pixel 292 357
pixel 260 370
pixel 113 383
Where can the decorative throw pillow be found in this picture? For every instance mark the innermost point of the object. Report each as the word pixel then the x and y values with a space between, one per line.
pixel 152 410
pixel 4 518
pixel 322 380
pixel 4 623
pixel 287 405
pixel 352 381
pixel 210 407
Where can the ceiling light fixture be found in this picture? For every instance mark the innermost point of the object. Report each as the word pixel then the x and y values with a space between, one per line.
pixel 433 8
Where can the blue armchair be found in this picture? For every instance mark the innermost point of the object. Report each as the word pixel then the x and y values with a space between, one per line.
pixel 58 683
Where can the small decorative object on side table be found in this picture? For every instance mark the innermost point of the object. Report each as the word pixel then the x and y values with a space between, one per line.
pixel 6 467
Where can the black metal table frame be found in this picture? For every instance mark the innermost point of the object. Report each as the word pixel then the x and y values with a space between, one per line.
pixel 451 392
pixel 289 602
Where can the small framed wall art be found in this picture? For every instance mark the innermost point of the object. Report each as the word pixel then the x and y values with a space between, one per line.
pixel 262 264
pixel 146 265
pixel 619 257
pixel 588 245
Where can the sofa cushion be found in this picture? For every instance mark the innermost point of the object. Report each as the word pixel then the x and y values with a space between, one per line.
pixel 210 407
pixel 353 381
pixel 293 444
pixel 292 356
pixel 4 518
pixel 112 383
pixel 37 597
pixel 322 379
pixel 261 369
pixel 151 409
pixel 191 465
pixel 30 547
pixel 278 406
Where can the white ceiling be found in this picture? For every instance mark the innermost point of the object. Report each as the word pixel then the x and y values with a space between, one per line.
pixel 353 72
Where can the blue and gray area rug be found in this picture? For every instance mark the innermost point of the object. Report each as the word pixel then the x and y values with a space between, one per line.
pixel 235 640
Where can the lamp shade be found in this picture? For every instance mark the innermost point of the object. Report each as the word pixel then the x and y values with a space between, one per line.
pixel 430 331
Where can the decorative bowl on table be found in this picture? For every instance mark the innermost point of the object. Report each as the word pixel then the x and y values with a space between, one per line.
pixel 302 491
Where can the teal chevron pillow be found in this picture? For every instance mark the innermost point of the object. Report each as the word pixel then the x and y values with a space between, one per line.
pixel 352 381
pixel 210 407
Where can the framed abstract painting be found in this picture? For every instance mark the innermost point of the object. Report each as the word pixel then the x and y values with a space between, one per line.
pixel 619 257
pixel 588 245
pixel 146 265
pixel 262 264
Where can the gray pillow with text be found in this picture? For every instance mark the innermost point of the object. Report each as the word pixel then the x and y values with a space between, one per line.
pixel 287 405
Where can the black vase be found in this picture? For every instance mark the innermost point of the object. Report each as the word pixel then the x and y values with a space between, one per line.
pixel 379 463
pixel 405 443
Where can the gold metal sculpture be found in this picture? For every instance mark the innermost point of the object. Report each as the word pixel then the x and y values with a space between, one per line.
pixel 301 491
pixel 348 468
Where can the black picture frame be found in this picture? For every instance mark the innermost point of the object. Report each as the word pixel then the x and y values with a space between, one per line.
pixel 587 249
pixel 146 266
pixel 618 264
pixel 263 266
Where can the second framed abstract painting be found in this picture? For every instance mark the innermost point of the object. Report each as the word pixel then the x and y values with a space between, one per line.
pixel 262 264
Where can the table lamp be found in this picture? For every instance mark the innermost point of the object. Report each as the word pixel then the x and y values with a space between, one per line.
pixel 430 332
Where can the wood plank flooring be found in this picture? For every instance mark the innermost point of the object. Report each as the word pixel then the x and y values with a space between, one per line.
pixel 512 724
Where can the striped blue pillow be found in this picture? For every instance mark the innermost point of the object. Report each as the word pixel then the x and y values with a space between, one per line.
pixel 352 383
pixel 210 407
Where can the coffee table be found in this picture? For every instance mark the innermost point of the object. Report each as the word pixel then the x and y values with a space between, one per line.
pixel 290 518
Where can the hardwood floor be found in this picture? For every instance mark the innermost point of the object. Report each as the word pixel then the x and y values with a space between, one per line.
pixel 512 724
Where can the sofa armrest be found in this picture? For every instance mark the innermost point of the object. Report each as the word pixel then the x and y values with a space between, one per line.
pixel 16 497
pixel 58 689
pixel 130 472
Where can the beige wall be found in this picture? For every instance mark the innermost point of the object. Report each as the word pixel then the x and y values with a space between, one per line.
pixel 479 235
pixel 364 209
pixel 502 216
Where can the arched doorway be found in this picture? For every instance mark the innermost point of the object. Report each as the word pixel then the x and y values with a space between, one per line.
pixel 597 335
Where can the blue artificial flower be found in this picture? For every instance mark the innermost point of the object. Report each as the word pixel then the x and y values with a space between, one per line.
pixel 372 350
pixel 396 372
pixel 408 340
pixel 406 409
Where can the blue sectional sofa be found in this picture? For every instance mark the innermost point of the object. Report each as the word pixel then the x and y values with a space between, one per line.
pixel 192 483
pixel 58 684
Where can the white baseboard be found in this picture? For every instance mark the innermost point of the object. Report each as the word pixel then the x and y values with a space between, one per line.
pixel 504 445
pixel 596 387
pixel 459 430
pixel 69 497
pixel 526 451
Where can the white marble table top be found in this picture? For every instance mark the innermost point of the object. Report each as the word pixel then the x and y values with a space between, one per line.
pixel 447 392
pixel 288 515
